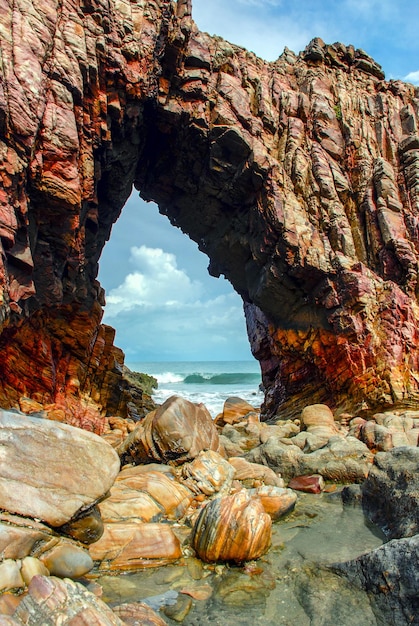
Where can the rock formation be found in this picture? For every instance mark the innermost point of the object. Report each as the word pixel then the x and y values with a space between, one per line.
pixel 298 178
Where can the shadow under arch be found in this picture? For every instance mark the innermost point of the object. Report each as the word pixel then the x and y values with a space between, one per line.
pixel 300 196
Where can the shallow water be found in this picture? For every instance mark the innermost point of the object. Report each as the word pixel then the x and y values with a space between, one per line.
pixel 291 585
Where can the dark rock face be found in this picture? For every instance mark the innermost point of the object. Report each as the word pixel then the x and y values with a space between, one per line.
pixel 390 495
pixel 390 574
pixel 299 180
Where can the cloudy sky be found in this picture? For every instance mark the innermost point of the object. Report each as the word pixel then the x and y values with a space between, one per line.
pixel 160 298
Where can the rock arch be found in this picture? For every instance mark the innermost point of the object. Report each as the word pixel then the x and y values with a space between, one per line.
pixel 298 178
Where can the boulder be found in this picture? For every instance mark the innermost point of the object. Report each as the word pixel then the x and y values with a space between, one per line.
pixel 276 501
pixel 318 419
pixel 208 474
pixel 390 495
pixel 67 560
pixel 254 474
pixel 390 575
pixel 51 601
pixel 50 470
pixel 343 459
pixel 177 432
pixel 132 545
pixel 235 410
pixel 170 496
pixel 233 528
pixel 308 484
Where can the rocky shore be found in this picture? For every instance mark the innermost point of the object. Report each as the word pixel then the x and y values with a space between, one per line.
pixel 180 489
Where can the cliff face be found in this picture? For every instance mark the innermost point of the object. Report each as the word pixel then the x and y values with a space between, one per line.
pixel 299 179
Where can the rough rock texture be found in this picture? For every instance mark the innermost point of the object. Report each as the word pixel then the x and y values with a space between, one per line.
pixel 390 495
pixel 50 470
pixel 52 601
pixel 391 576
pixel 307 168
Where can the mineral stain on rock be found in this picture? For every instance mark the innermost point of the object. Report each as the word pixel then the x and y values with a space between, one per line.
pixel 307 169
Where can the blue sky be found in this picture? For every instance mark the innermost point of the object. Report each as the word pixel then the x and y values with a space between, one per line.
pixel 160 298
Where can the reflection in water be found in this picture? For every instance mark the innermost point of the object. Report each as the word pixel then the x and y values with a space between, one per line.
pixel 289 586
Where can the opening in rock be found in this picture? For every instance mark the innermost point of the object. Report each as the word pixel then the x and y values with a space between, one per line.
pixel 173 320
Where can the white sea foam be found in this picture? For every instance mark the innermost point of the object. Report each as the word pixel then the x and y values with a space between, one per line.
pixel 207 382
pixel 168 377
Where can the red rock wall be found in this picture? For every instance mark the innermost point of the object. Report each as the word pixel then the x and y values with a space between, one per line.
pixel 298 178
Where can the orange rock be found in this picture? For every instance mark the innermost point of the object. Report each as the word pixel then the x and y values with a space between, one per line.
pixel 136 613
pixel 276 501
pixel 129 546
pixel 251 473
pixel 233 528
pixel 235 410
pixel 208 474
pixel 171 497
pixel 176 432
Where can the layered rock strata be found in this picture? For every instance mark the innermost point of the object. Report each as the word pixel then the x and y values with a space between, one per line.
pixel 298 178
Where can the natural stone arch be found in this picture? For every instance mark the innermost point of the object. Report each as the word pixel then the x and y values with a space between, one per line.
pixel 297 178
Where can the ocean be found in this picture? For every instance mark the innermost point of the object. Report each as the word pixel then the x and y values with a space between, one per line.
pixel 209 382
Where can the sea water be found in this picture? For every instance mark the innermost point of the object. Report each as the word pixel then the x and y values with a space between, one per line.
pixel 209 382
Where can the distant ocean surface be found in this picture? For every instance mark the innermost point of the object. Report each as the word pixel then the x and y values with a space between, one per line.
pixel 209 382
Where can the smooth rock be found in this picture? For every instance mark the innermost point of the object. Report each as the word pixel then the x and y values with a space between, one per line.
pixel 32 567
pixel 318 419
pixel 51 470
pixel 129 546
pixel 10 575
pixel 308 484
pixel 233 528
pixel 276 501
pixel 67 561
pixel 254 474
pixel 235 410
pixel 209 473
pixel 172 497
pixel 177 431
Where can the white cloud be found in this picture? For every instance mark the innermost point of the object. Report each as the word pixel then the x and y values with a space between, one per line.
pixel 156 281
pixel 412 77
pixel 161 314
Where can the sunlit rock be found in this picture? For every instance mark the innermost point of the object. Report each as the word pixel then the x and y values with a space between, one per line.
pixel 209 473
pixel 233 528
pixel 318 420
pixel 65 602
pixel 10 575
pixel 177 432
pixel 31 567
pixel 170 496
pixel 236 410
pixel 50 470
pixel 276 501
pixel 129 546
pixel 254 474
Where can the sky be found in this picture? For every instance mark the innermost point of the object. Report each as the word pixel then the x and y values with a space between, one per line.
pixel 160 297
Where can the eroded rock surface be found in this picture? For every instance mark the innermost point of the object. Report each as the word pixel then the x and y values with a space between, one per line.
pixel 307 168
